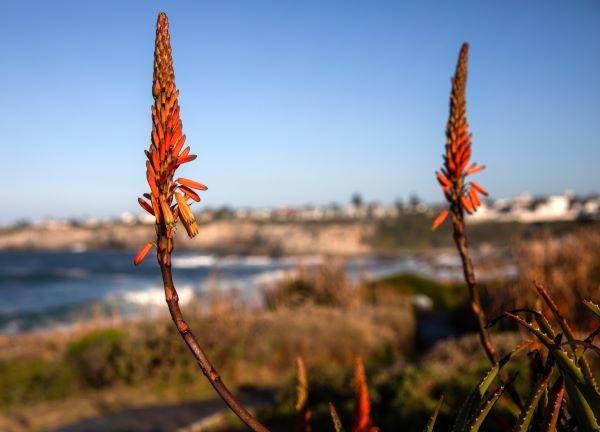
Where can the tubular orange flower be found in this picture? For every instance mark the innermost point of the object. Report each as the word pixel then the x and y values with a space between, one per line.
pixel 478 188
pixel 156 209
pixel 440 219
pixel 184 153
pixel 185 159
pixel 152 184
pixel 187 217
pixel 453 175
pixel 142 253
pixel 475 169
pixel 466 204
pixel 190 193
pixel 178 144
pixel 474 198
pixel 167 213
pixel 444 182
pixel 146 206
pixel 191 183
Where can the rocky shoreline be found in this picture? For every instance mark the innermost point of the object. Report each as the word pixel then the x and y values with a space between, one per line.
pixel 240 237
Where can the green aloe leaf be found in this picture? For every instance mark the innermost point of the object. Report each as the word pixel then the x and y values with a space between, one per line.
pixel 585 417
pixel 589 387
pixel 587 373
pixel 473 404
pixel 477 420
pixel 594 307
pixel 528 410
pixel 566 364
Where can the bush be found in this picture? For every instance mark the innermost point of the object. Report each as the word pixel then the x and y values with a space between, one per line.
pixel 98 358
pixel 33 380
pixel 328 285
pixel 443 295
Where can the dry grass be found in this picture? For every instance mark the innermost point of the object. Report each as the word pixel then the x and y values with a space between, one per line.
pixel 327 285
pixel 118 363
pixel 568 265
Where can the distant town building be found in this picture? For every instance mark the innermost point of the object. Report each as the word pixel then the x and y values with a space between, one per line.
pixel 528 209
pixel 523 208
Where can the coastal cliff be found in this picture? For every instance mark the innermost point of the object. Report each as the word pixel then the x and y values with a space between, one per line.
pixel 225 236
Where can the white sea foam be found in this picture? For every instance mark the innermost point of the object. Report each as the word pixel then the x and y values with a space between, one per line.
pixel 269 277
pixel 205 260
pixel 78 248
pixel 246 261
pixel 194 261
pixel 156 296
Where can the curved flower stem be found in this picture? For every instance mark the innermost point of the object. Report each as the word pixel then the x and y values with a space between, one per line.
pixel 207 368
pixel 460 238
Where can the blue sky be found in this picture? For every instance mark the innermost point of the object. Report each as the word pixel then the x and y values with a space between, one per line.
pixel 294 102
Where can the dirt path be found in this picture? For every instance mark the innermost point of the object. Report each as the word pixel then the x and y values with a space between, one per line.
pixel 160 418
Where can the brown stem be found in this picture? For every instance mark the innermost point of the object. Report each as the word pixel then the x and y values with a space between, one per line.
pixel 460 238
pixel 207 368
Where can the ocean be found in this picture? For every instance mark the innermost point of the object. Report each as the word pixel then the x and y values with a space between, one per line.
pixel 40 290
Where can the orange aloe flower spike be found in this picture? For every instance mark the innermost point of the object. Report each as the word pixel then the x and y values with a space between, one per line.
pixel 165 137
pixel 142 253
pixel 362 410
pixel 303 413
pixel 461 196
pixel 457 153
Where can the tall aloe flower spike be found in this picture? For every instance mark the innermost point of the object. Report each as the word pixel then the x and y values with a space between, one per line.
pixel 461 193
pixel 168 201
pixel 362 407
pixel 168 198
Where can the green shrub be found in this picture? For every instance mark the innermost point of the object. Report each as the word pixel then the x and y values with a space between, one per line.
pixel 32 380
pixel 444 296
pixel 98 359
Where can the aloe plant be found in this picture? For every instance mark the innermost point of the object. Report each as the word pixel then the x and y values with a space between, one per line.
pixel 571 365
pixel 480 402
